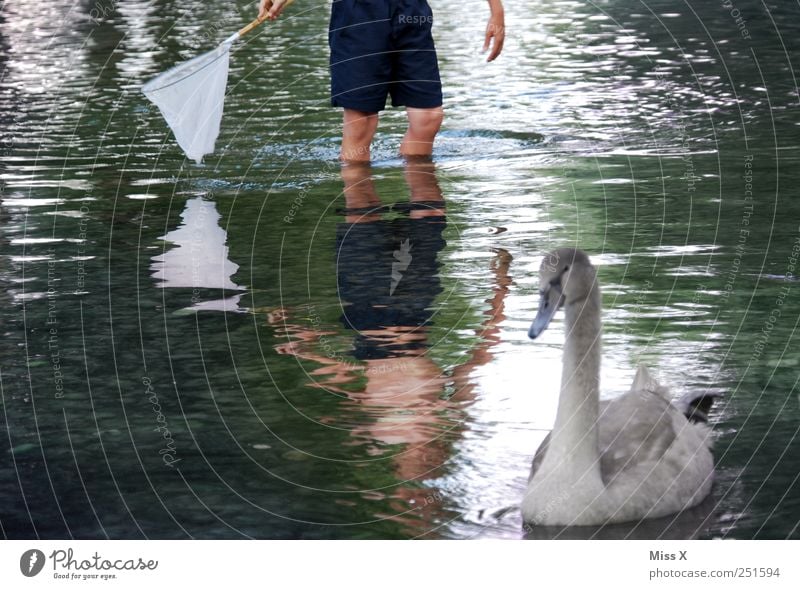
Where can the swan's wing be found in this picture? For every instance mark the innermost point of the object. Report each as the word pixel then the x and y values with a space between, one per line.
pixel 695 406
pixel 539 456
pixel 644 381
pixel 633 429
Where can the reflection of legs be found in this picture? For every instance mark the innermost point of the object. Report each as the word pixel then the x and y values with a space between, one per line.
pixel 420 175
pixel 423 125
pixel 359 192
pixel 357 133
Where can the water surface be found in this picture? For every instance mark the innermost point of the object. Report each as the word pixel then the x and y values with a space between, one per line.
pixel 260 347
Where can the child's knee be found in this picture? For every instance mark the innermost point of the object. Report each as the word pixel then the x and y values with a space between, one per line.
pixel 425 121
pixel 360 125
pixel 436 117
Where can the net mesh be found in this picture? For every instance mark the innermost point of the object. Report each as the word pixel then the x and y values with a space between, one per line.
pixel 190 96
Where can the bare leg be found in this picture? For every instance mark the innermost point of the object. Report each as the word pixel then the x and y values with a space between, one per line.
pixel 359 192
pixel 423 124
pixel 420 175
pixel 357 133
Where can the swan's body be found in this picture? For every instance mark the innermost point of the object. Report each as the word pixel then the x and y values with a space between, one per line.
pixel 634 457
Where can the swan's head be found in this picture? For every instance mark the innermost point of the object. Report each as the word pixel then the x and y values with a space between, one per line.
pixel 566 276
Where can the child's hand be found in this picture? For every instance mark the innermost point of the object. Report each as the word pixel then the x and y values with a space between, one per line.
pixel 271 8
pixel 495 32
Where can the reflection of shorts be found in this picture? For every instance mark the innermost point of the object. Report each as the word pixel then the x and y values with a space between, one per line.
pixel 387 274
pixel 381 47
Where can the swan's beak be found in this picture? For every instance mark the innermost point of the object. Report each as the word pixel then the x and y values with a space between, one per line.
pixel 549 303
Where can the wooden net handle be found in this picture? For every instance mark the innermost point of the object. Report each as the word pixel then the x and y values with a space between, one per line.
pixel 246 29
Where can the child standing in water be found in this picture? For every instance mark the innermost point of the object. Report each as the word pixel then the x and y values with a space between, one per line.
pixel 385 47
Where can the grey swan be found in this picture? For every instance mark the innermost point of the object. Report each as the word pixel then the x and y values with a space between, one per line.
pixel 636 456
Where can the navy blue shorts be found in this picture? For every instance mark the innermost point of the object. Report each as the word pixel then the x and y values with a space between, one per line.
pixel 381 47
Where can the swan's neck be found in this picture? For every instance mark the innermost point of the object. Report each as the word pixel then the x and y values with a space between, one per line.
pixel 574 440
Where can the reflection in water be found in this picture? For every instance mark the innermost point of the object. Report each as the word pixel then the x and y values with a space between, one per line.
pixel 604 125
pixel 387 269
pixel 388 282
pixel 199 259
pixel 387 276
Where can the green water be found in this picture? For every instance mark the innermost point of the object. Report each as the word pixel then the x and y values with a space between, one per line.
pixel 196 351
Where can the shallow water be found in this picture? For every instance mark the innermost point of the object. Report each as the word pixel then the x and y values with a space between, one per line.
pixel 246 349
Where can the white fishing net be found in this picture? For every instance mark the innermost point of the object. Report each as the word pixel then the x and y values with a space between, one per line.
pixel 190 96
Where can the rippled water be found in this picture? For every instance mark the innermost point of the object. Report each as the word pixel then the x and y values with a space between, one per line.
pixel 247 349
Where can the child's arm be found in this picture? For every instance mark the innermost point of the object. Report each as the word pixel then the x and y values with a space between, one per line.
pixel 272 8
pixel 495 30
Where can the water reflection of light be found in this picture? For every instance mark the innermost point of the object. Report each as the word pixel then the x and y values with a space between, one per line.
pixel 42 39
pixel 520 141
pixel 141 23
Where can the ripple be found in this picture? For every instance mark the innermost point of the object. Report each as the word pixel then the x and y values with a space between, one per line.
pixel 579 134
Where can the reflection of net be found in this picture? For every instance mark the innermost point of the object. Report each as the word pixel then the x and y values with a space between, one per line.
pixel 190 96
